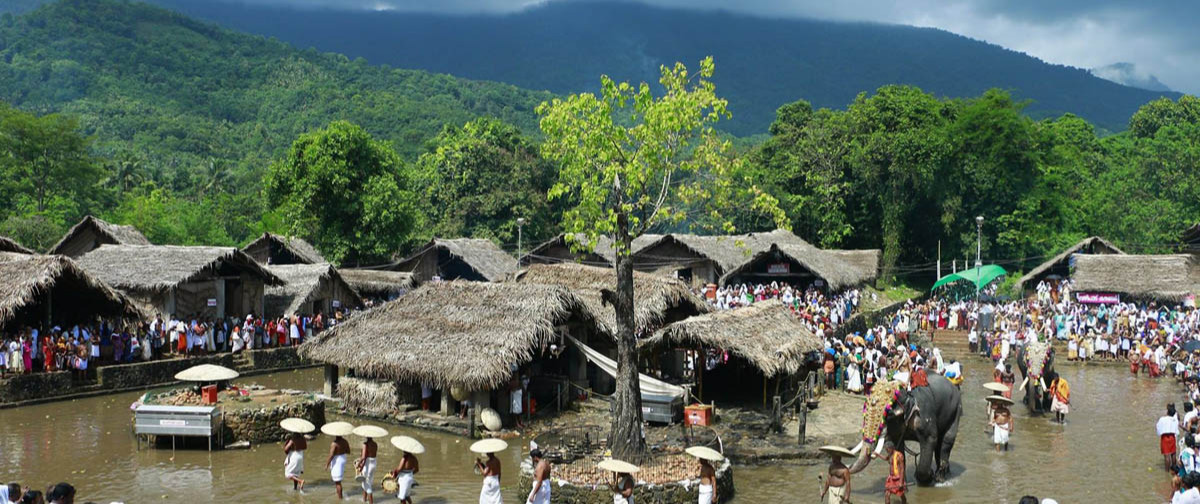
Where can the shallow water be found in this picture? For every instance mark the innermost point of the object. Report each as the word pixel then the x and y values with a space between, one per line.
pixel 1107 452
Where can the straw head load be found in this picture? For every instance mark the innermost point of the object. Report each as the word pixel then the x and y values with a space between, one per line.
pixel 836 450
pixel 369 431
pixel 337 429
pixel 206 373
pixel 408 445
pixel 704 452
pixel 489 446
pixel 618 466
pixel 996 387
pixel 297 425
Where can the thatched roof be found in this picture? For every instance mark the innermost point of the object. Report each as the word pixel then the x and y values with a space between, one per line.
pixel 113 233
pixel 1092 243
pixel 727 251
pixel 162 267
pixel 767 334
pixel 303 251
pixel 303 282
pixel 1142 276
pixel 839 269
pixel 656 298
pixel 602 255
pixel 479 254
pixel 445 334
pixel 9 245
pixel 377 283
pixel 83 296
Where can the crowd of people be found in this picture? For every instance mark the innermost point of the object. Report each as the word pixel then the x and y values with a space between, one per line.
pixel 820 310
pixel 14 493
pixel 80 348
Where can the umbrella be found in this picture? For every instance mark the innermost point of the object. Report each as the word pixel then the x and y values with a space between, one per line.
pixel 1191 345
pixel 704 452
pixel 297 425
pixel 369 431
pixel 206 373
pixel 836 450
pixel 408 445
pixel 618 466
pixel 996 387
pixel 337 429
pixel 489 446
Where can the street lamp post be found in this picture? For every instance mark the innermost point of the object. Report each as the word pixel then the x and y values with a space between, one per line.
pixel 978 252
pixel 520 223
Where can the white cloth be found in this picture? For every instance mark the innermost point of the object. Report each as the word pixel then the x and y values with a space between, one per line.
pixel 706 494
pixel 1190 496
pixel 1167 425
pixel 515 402
pixel 368 472
pixel 337 468
pixel 1000 435
pixel 649 385
pixel 543 494
pixel 617 497
pixel 490 493
pixel 404 483
pixel 293 465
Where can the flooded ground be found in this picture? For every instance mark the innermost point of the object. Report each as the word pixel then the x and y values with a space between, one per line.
pixel 1106 453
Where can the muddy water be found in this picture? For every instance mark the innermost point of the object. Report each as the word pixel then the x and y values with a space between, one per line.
pixel 1106 453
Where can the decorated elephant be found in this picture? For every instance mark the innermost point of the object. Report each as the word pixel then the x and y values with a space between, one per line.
pixel 1036 361
pixel 928 415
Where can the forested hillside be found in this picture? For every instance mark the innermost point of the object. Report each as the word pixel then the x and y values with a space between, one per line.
pixel 765 63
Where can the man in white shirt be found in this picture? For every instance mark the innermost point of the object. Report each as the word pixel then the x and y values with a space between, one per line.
pixel 1167 429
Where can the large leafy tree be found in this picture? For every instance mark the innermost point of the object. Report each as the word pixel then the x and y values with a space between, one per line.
pixel 477 178
pixel 344 191
pixel 630 160
pixel 44 159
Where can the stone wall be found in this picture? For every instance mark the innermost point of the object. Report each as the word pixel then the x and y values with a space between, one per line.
pixel 146 374
pixel 675 493
pixel 34 386
pixel 261 425
pixel 275 358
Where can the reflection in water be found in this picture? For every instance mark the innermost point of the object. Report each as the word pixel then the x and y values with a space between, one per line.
pixel 1107 452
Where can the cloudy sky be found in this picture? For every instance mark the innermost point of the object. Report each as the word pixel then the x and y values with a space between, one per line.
pixel 1160 37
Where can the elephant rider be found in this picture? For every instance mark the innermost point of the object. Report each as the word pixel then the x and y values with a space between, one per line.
pixel 1060 393
pixel 954 372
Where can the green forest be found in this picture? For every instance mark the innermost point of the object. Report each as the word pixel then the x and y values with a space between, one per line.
pixel 200 135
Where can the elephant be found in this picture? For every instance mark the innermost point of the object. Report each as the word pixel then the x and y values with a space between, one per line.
pixel 928 415
pixel 1036 361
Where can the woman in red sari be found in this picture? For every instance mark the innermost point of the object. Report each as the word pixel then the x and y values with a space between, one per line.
pixel 48 353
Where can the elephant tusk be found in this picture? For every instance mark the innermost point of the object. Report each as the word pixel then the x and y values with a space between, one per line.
pixel 857 447
pixel 879 446
pixel 1043 382
pixel 1023 382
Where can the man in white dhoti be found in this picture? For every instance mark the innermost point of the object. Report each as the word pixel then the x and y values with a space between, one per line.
pixel 409 467
pixel 293 461
pixel 541 479
pixel 1002 426
pixel 366 469
pixel 490 493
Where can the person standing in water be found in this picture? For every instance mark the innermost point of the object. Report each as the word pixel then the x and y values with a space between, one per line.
pixel 541 479
pixel 1002 425
pixel 708 483
pixel 293 460
pixel 1167 429
pixel 409 466
pixel 490 469
pixel 895 483
pixel 1060 393
pixel 837 485
pixel 336 463
pixel 366 467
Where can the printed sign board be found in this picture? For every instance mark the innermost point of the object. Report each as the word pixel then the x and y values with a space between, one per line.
pixel 777 268
pixel 212 302
pixel 1097 298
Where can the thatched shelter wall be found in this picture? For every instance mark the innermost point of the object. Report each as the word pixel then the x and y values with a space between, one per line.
pixel 446 334
pixel 9 245
pixel 54 289
pixel 1161 277
pixel 1060 264
pixel 378 284
pixel 91 233
pixel 280 250
pixel 310 289
pixel 463 258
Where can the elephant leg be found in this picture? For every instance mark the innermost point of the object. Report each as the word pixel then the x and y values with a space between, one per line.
pixel 947 445
pixel 925 469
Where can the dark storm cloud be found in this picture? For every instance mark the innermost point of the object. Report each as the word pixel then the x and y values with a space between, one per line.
pixel 1159 36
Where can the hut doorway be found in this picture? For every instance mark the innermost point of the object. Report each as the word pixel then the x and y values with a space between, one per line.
pixel 233 298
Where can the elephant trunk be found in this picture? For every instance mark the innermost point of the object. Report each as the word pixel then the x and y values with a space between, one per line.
pixel 864 456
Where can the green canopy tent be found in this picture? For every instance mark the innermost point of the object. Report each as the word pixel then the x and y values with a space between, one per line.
pixel 975 276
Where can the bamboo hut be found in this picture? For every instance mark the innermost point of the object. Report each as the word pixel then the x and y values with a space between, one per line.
pixel 52 289
pixel 803 265
pixel 9 245
pixel 378 285
pixel 309 289
pixel 704 259
pixel 658 301
pixel 1139 277
pixel 1059 266
pixel 91 233
pixel 462 258
pixel 559 249
pixel 172 280
pixel 765 340
pixel 475 337
pixel 275 249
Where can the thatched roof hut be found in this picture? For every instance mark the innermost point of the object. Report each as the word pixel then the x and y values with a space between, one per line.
pixel 766 334
pixel 9 245
pixel 446 334
pixel 37 283
pixel 381 284
pixel 91 233
pixel 658 300
pixel 1163 277
pixel 275 249
pixel 1061 264
pixel 309 289
pixel 182 280
pixel 461 258
pixel 557 250
pixel 798 263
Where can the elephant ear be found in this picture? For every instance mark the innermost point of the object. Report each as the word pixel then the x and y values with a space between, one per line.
pixel 876 408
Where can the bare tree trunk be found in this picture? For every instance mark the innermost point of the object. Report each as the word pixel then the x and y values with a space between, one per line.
pixel 626 439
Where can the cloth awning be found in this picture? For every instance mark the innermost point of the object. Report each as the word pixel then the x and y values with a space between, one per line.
pixel 975 276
